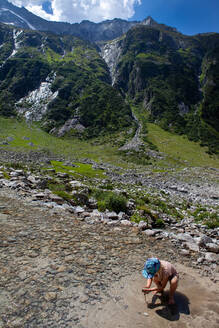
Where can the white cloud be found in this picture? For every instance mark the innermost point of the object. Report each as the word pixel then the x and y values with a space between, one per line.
pixel 77 10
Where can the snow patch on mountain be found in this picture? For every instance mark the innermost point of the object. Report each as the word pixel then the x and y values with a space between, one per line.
pixel 111 52
pixel 16 34
pixel 18 16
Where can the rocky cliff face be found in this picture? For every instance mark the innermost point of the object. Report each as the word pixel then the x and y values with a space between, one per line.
pixel 172 78
pixel 111 52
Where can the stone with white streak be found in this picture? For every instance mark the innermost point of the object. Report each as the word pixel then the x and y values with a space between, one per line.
pixel 150 233
pixel 212 257
pixel 126 223
pixel 214 248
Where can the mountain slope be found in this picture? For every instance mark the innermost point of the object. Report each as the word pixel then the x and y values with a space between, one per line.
pixel 172 78
pixel 58 81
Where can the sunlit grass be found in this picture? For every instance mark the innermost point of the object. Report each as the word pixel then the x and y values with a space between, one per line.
pixel 80 169
pixel 180 149
pixel 40 140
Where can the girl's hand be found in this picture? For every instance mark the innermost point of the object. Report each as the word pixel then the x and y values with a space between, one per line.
pixel 146 290
pixel 159 290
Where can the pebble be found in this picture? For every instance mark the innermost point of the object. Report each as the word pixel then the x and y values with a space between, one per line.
pixel 212 248
pixel 50 296
pixel 212 257
pixel 150 233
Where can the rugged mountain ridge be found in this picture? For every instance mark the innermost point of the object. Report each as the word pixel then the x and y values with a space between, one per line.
pixel 87 30
pixel 22 18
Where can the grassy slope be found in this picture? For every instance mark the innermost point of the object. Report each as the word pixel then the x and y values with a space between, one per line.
pixel 73 147
pixel 178 148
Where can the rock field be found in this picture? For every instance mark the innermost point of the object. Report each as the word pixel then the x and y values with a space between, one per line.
pixel 64 265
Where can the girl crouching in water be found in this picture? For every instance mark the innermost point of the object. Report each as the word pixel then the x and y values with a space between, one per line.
pixel 160 272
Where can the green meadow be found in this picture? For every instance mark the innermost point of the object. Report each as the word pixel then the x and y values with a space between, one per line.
pixel 24 134
pixel 179 150
pixel 78 170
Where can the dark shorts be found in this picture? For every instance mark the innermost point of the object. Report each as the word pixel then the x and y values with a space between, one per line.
pixel 172 276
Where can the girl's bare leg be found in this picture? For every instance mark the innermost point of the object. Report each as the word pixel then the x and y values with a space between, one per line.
pixel 173 286
pixel 158 284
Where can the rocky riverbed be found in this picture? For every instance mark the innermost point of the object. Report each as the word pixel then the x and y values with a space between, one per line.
pixel 64 265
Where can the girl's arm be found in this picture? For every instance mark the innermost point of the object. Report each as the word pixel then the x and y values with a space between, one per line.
pixel 147 289
pixel 149 282
pixel 157 289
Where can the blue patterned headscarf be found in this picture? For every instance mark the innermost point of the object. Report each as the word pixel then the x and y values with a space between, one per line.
pixel 151 266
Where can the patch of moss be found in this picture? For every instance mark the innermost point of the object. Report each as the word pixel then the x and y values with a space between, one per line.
pixel 80 170
pixel 136 217
pixel 63 194
pixel 213 221
pixel 56 187
pixel 159 223
pixel 202 215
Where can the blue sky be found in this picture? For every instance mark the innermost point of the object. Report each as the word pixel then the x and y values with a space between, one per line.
pixel 188 16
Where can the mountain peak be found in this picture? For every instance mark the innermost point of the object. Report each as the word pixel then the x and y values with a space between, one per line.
pixel 149 21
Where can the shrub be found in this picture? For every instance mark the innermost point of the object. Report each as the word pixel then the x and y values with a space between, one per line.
pixel 107 186
pixel 136 217
pixel 213 221
pixel 113 202
pixel 143 200
pixel 110 200
pixel 101 205
pixel 147 211
pixel 159 223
